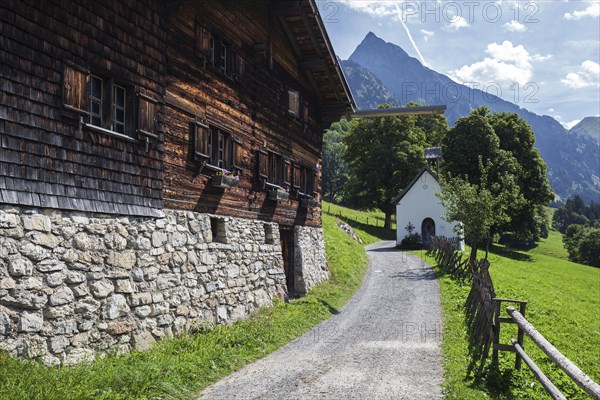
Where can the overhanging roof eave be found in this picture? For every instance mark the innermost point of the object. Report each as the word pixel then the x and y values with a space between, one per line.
pixel 400 111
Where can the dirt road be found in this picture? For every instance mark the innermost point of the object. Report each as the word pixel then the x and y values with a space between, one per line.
pixel 384 344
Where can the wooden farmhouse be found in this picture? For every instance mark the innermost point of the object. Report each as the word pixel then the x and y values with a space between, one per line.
pixel 419 208
pixel 160 163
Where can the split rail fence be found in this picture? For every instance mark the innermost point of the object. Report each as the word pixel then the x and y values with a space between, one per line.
pixel 484 320
pixel 372 220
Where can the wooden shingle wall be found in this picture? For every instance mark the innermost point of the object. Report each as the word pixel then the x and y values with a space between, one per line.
pixel 47 159
pixel 253 107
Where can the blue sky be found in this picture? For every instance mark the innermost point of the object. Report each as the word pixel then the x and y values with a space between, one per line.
pixel 542 55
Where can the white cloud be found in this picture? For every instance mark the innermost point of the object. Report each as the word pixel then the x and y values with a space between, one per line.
pixel 539 57
pixel 427 34
pixel 505 65
pixel 515 26
pixel 455 24
pixel 587 76
pixel 593 10
pixel 373 8
pixel 570 124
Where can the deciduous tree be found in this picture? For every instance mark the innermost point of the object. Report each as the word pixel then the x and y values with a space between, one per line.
pixel 504 144
pixel 478 206
pixel 383 155
pixel 335 174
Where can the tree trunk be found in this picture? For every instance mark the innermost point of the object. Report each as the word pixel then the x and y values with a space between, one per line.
pixel 473 256
pixel 388 220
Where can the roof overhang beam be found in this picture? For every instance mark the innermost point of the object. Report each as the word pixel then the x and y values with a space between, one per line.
pixel 399 111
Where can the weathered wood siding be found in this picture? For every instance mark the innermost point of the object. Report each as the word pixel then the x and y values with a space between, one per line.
pixel 46 159
pixel 252 107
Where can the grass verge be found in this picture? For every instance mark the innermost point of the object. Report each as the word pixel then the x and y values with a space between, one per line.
pixel 180 368
pixel 563 304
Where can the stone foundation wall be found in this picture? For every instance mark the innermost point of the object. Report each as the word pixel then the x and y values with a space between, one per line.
pixel 73 285
pixel 310 263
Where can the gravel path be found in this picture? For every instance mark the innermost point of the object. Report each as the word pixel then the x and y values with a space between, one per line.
pixel 384 344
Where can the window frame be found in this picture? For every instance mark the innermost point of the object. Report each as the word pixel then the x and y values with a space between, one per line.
pixel 218 51
pixel 296 176
pixel 78 97
pixel 294 95
pixel 287 172
pixel 108 108
pixel 114 122
pixel 96 100
pixel 275 169
pixel 216 147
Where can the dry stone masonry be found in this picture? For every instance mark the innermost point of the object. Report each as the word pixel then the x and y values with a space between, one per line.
pixel 73 285
pixel 310 263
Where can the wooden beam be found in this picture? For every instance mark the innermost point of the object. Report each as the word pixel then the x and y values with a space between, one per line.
pixel 543 379
pixel 314 64
pixel 578 376
pixel 291 37
pixel 399 111
pixel 285 8
pixel 317 47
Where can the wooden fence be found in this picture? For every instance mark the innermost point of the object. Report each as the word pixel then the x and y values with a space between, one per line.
pixel 372 220
pixel 484 320
pixel 576 375
pixel 479 305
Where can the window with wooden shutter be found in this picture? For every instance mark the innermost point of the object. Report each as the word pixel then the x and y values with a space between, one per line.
pixel 202 141
pixel 239 64
pixel 294 103
pixel 304 185
pixel 224 155
pixel 76 84
pixel 263 164
pixel 237 152
pixel 287 172
pixel 305 111
pixel 224 58
pixel 274 169
pixel 203 39
pixel 146 115
pixel 297 178
pixel 315 185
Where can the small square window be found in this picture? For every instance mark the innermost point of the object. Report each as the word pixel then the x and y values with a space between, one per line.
pixel 270 237
pixel 217 229
pixel 294 103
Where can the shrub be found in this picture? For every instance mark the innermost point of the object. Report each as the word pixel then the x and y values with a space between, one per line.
pixel 412 241
pixel 583 244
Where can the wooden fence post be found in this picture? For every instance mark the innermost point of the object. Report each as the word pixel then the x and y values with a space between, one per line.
pixel 520 335
pixel 577 375
pixel 497 305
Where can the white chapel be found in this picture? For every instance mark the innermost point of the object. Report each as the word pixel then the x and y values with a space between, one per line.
pixel 418 207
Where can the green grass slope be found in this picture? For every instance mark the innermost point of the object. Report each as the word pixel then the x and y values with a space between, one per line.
pixel 563 303
pixel 180 368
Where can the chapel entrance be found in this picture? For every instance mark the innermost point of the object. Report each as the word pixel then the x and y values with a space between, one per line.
pixel 427 231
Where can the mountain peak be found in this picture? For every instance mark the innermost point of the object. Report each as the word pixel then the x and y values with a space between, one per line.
pixel 373 45
pixel 371 36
